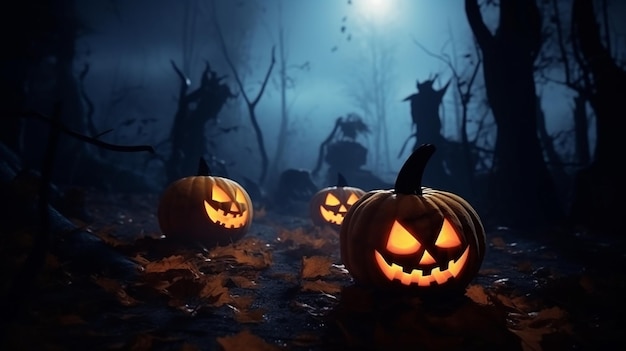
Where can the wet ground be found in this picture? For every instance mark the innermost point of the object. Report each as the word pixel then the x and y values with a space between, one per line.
pixel 282 287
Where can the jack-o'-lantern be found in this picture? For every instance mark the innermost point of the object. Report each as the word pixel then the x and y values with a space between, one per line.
pixel 208 209
pixel 329 205
pixel 413 238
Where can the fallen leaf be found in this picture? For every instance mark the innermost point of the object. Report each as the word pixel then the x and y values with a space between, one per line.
pixel 306 340
pixel 498 242
pixel 250 316
pixel 105 235
pixel 249 252
pixel 177 262
pixel 315 267
pixel 214 290
pixel 189 347
pixel 320 286
pixel 477 294
pixel 530 338
pixel 245 341
pixel 243 282
pixel 242 302
pixel 141 342
pixel 298 237
pixel 116 288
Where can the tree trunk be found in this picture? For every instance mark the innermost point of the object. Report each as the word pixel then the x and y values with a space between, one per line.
pixel 40 75
pixel 599 189
pixel 521 193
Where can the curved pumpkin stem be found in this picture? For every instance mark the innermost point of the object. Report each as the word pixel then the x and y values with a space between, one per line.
pixel 203 168
pixel 341 181
pixel 409 179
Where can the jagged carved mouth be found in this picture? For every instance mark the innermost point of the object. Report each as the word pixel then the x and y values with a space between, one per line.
pixel 332 217
pixel 420 277
pixel 229 219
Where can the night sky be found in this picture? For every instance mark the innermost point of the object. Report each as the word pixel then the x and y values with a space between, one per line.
pixel 130 44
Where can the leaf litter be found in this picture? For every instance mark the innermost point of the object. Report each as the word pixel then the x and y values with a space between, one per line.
pixel 283 287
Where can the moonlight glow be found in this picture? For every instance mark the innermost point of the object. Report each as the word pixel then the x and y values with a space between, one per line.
pixel 374 9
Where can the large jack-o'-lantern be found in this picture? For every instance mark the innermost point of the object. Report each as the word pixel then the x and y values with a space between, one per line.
pixel 411 237
pixel 329 205
pixel 208 209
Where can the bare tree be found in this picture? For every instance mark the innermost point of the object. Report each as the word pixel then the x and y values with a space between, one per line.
pixel 522 192
pixel 195 109
pixel 250 103
pixel 464 85
pixel 285 83
pixel 600 187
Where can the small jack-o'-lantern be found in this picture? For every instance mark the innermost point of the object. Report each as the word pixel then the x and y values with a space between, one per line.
pixel 413 238
pixel 209 209
pixel 329 205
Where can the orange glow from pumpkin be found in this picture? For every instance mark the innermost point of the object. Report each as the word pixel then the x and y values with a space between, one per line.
pixel 417 276
pixel 448 237
pixel 235 216
pixel 218 194
pixel 401 241
pixel 331 217
pixel 331 200
pixel 427 258
pixel 352 199
pixel 232 219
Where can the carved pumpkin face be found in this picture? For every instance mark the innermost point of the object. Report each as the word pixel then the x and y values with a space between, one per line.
pixel 329 205
pixel 420 240
pixel 212 210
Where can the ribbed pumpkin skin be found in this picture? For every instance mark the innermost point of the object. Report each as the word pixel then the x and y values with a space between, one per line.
pixel 340 192
pixel 182 214
pixel 367 225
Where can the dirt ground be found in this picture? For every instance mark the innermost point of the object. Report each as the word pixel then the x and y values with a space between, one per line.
pixel 282 287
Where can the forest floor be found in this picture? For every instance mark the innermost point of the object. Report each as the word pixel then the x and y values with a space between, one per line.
pixel 282 288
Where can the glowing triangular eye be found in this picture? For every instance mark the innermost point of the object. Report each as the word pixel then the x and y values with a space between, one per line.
pixel 401 241
pixel 239 197
pixel 218 194
pixel 352 199
pixel 448 237
pixel 331 200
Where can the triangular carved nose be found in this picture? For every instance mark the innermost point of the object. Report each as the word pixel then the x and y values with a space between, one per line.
pixel 427 258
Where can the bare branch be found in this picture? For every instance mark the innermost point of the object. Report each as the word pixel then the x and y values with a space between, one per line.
pixel 267 77
pixel 113 147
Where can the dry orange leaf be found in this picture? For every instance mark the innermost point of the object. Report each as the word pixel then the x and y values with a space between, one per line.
pixel 114 287
pixel 245 341
pixel 215 291
pixel 249 316
pixel 477 294
pixel 315 267
pixel 169 263
pixel 249 251
pixel 189 347
pixel 498 242
pixel 105 235
pixel 320 286
pixel 299 237
pixel 243 282
pixel 242 302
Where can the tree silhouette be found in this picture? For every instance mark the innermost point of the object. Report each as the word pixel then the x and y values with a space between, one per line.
pixel 600 187
pixel 521 191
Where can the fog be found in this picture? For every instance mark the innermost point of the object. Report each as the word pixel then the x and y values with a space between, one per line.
pixel 334 50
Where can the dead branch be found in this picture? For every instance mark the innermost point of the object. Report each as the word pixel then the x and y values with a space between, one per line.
pixel 251 104
pixel 90 140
